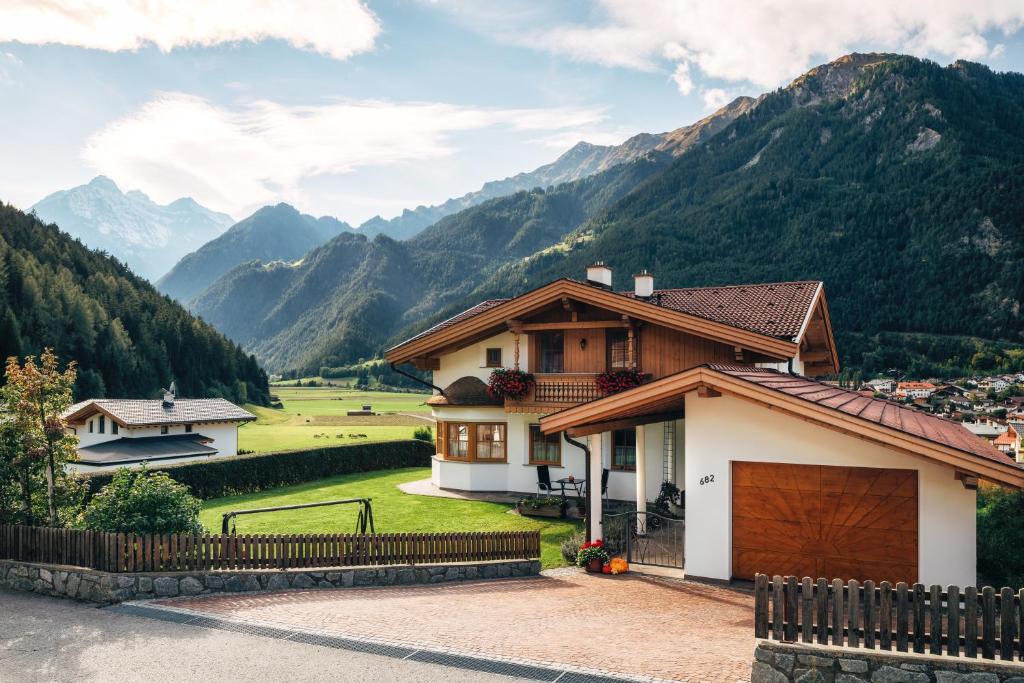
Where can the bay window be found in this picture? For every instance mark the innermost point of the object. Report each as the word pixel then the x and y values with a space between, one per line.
pixel 472 441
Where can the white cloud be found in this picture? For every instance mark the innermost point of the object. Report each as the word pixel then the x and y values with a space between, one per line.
pixel 765 42
pixel 715 98
pixel 9 63
pixel 683 80
pixel 233 158
pixel 337 28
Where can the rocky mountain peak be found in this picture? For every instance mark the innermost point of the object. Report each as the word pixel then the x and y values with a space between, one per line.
pixel 836 78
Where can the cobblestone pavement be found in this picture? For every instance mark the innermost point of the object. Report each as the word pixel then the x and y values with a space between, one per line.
pixel 633 624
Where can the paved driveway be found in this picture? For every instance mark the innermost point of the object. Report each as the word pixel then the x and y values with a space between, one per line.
pixel 47 640
pixel 635 625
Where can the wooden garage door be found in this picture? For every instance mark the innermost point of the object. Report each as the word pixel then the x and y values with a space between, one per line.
pixel 833 522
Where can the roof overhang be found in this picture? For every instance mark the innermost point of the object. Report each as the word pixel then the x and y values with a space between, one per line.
pixel 91 408
pixel 819 307
pixel 495 319
pixel 663 394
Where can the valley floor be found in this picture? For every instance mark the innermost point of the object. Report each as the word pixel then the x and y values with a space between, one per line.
pixel 316 417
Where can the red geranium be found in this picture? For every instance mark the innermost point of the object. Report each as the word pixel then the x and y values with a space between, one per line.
pixel 509 383
pixel 614 381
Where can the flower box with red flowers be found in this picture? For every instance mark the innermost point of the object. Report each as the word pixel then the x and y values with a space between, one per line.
pixel 509 383
pixel 614 381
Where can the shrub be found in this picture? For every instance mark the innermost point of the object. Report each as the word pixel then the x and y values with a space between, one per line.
pixel 423 434
pixel 251 473
pixel 571 546
pixel 143 502
pixel 1001 536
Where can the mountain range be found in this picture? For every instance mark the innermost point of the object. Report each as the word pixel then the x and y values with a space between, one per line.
pixel 894 180
pixel 147 236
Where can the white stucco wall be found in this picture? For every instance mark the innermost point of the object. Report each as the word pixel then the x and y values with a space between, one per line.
pixel 724 429
pixel 472 361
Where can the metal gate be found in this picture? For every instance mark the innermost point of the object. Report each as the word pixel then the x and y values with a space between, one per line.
pixel 645 538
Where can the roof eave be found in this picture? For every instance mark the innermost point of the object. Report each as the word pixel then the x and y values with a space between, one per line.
pixel 690 380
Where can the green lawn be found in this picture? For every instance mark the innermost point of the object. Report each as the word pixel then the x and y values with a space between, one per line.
pixel 315 416
pixel 393 511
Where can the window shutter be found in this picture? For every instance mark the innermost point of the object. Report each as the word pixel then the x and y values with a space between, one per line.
pixel 441 439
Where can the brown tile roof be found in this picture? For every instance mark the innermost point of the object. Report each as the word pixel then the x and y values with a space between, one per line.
pixel 139 412
pixel 930 427
pixel 775 309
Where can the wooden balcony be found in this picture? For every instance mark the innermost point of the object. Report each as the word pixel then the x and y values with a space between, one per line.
pixel 554 392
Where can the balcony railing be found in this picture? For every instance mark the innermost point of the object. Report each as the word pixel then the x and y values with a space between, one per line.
pixel 558 390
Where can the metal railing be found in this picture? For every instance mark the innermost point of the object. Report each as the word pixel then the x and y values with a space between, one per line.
pixel 645 538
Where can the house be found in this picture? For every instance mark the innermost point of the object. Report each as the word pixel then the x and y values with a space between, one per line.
pixel 884 385
pixel 1016 427
pixel 782 473
pixel 985 428
pixel 1008 441
pixel 123 432
pixel 914 390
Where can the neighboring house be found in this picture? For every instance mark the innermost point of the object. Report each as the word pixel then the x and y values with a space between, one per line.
pixel 998 385
pixel 1008 441
pixel 1016 427
pixel 986 428
pixel 782 474
pixel 882 385
pixel 123 432
pixel 915 390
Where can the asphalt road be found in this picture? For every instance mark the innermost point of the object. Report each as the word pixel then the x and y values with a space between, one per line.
pixel 47 639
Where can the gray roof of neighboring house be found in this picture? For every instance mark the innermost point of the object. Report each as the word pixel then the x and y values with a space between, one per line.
pixel 137 412
pixel 124 451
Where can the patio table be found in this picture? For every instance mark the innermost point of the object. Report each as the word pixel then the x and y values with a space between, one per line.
pixel 577 485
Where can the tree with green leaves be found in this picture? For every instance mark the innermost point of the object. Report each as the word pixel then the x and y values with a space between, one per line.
pixel 35 434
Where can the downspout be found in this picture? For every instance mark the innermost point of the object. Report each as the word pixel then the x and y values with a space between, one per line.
pixel 586 475
pixel 414 378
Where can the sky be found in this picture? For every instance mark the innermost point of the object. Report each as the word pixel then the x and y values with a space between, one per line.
pixel 352 109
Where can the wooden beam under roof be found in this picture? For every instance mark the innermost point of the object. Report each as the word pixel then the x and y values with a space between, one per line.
pixel 625 423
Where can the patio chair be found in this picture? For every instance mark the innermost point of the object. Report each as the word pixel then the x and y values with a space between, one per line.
pixel 544 484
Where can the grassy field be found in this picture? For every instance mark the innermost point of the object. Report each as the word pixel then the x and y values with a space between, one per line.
pixel 315 416
pixel 393 511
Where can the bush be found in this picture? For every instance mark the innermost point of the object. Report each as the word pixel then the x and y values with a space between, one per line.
pixel 251 473
pixel 423 434
pixel 143 502
pixel 571 545
pixel 1000 536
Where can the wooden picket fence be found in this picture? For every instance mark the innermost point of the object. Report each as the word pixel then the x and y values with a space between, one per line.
pixel 951 621
pixel 173 552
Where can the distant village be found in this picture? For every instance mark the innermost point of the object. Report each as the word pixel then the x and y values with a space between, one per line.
pixel 990 407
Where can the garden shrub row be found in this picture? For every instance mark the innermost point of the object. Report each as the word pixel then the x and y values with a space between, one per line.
pixel 251 473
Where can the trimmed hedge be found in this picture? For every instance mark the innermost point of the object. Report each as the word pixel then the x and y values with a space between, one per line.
pixel 251 473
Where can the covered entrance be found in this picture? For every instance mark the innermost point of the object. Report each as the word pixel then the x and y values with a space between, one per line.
pixel 818 520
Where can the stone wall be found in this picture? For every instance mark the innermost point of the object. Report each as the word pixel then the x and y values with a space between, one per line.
pixel 776 662
pixel 105 588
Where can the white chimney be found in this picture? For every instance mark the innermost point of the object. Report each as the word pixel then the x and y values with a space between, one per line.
pixel 600 274
pixel 643 285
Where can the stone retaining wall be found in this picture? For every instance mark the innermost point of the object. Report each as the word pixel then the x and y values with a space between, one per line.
pixel 776 662
pixel 102 587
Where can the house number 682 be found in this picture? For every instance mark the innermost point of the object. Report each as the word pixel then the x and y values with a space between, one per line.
pixel 707 479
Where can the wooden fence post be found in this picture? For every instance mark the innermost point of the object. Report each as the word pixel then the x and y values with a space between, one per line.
pixel 821 602
pixel 1007 623
pixel 777 608
pixel 807 610
pixel 953 621
pixel 838 622
pixel 970 621
pixel 853 638
pixel 935 606
pixel 988 623
pixel 792 609
pixel 869 614
pixel 919 618
pixel 760 606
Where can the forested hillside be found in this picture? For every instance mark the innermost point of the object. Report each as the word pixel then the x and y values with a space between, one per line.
pixel 128 339
pixel 897 183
